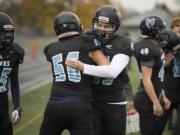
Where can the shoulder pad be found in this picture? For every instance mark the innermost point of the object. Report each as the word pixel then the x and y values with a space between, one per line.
pixel 48 51
pixel 89 35
pixel 91 38
pixel 45 49
pixel 19 51
pixel 123 45
pixel 145 50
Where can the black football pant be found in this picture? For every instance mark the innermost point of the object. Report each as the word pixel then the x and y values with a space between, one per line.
pixel 149 124
pixel 5 123
pixel 109 119
pixel 76 117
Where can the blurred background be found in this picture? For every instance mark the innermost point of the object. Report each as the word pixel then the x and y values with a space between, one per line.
pixel 34 30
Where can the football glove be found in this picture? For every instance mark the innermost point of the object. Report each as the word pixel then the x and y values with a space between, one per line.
pixel 16 116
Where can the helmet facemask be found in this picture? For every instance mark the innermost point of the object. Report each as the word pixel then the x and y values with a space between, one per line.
pixel 104 29
pixel 6 38
pixel 6 30
pixel 161 33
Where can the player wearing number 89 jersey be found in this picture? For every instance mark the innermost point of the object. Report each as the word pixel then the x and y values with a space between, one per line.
pixel 69 104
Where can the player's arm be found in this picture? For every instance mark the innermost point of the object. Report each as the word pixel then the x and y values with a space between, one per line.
pixel 146 78
pixel 14 80
pixel 98 57
pixel 15 92
pixel 118 63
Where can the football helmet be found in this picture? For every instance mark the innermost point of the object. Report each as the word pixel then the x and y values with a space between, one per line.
pixel 107 14
pixel 171 40
pixel 67 24
pixel 153 26
pixel 6 30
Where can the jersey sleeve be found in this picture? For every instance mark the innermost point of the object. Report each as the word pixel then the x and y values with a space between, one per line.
pixel 47 52
pixel 145 53
pixel 15 90
pixel 90 41
pixel 19 51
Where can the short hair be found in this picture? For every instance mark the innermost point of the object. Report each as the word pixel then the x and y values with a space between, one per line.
pixel 175 21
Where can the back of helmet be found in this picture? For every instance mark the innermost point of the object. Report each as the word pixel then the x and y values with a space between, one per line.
pixel 67 24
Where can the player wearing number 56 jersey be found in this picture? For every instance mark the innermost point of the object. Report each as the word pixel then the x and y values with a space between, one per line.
pixel 11 55
pixel 69 104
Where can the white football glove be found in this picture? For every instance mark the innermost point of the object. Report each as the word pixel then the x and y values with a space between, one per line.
pixel 15 116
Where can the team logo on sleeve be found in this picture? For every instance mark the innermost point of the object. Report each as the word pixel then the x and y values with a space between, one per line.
pixel 144 51
pixel 97 42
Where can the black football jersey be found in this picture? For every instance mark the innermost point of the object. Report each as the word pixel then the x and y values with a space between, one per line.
pixel 148 53
pixel 8 59
pixel 111 90
pixel 68 81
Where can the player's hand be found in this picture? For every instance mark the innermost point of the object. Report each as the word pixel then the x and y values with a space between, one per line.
pixel 168 58
pixel 15 116
pixel 166 103
pixel 75 64
pixel 158 111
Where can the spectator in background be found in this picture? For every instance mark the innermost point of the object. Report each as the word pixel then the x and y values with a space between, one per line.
pixel 11 55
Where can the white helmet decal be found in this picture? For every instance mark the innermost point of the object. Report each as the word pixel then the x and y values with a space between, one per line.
pixel 150 22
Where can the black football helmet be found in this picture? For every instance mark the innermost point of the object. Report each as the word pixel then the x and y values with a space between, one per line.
pixel 6 30
pixel 67 22
pixel 153 26
pixel 107 14
pixel 170 40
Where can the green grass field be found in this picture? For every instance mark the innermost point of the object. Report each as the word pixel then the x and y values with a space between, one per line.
pixel 33 105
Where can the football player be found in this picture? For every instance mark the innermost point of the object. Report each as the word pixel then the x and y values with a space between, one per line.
pixel 11 55
pixel 150 60
pixel 109 97
pixel 69 105
pixel 172 78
